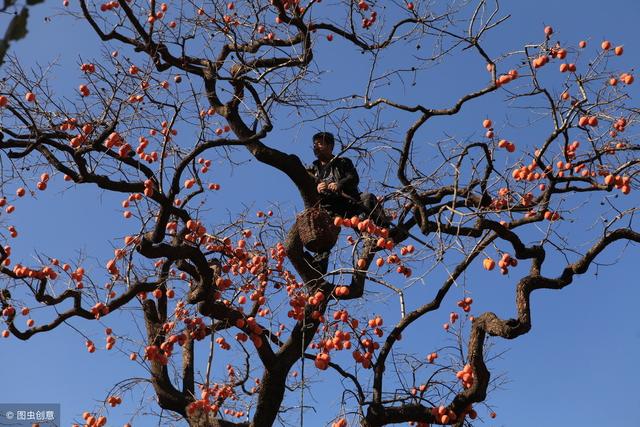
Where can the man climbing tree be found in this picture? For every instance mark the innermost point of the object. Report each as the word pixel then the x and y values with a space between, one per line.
pixel 337 182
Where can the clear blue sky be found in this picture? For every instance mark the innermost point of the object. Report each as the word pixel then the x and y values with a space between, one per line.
pixel 578 365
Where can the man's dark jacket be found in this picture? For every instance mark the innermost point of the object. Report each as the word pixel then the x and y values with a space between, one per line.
pixel 339 170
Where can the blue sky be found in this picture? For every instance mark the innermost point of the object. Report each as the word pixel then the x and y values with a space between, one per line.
pixel 576 367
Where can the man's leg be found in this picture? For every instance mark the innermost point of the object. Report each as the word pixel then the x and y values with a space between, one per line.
pixel 373 209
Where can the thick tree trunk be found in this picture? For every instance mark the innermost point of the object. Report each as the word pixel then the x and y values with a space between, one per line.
pixel 269 403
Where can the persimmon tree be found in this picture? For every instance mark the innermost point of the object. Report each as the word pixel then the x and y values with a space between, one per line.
pixel 209 83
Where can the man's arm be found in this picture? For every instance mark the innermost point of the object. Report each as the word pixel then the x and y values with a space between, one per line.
pixel 348 175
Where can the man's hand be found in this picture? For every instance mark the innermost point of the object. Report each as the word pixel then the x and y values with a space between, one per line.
pixel 321 187
pixel 332 186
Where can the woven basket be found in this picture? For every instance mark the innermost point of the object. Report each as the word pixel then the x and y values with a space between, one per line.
pixel 316 229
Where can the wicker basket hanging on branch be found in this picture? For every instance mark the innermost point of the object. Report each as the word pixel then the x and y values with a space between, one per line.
pixel 316 229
